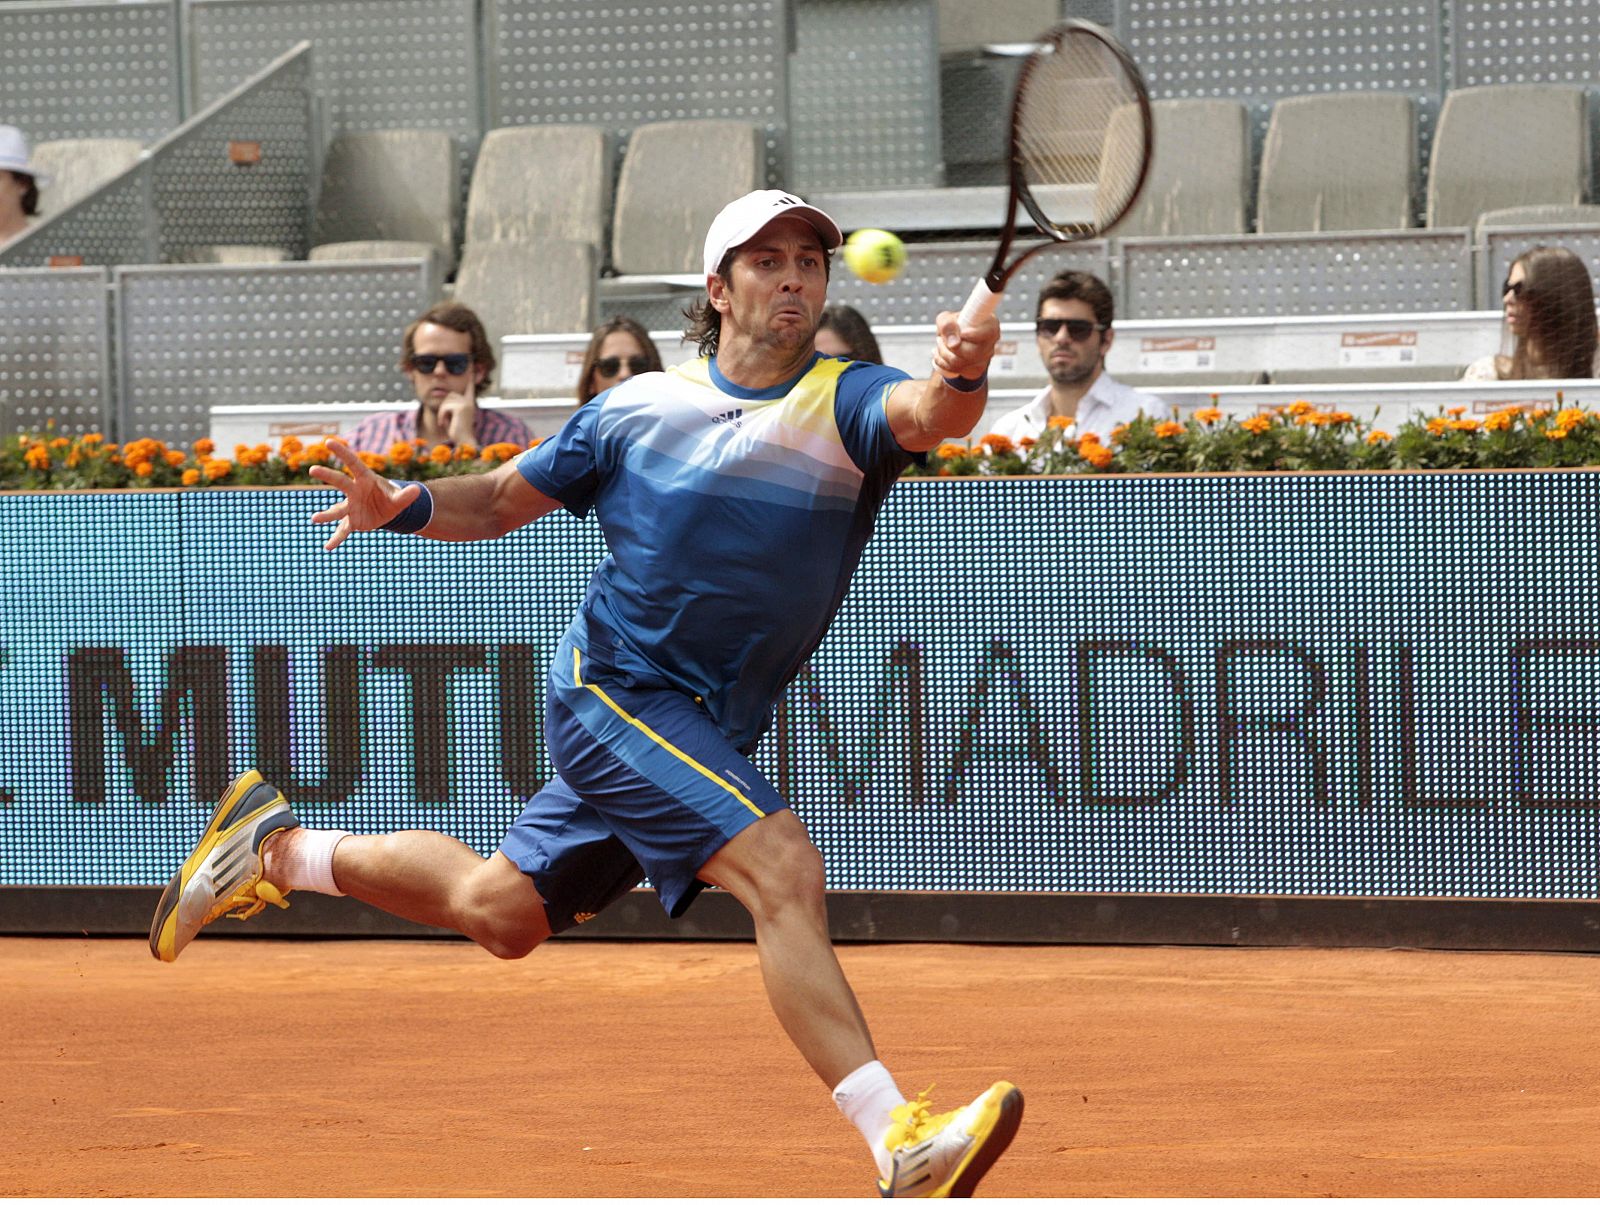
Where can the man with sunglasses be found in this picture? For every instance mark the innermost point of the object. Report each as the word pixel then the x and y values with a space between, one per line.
pixel 1073 331
pixel 736 494
pixel 448 359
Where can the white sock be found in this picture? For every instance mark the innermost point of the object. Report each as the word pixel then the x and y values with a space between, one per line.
pixel 867 1096
pixel 301 859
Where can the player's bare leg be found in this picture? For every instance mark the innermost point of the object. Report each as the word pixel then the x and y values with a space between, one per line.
pixel 776 873
pixel 772 868
pixel 435 879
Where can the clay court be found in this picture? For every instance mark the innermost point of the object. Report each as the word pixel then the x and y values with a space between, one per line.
pixel 284 1068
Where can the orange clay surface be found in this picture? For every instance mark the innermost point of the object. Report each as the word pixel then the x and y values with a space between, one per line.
pixel 268 1067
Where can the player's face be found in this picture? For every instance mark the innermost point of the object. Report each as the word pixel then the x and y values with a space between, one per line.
pixel 1515 302
pixel 448 347
pixel 778 287
pixel 1067 360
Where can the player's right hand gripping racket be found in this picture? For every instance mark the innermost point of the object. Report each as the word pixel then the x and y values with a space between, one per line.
pixel 1080 132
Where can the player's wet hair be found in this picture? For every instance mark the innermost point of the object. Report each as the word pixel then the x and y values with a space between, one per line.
pixel 705 322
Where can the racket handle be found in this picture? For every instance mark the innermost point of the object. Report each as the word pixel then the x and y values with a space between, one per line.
pixel 980 305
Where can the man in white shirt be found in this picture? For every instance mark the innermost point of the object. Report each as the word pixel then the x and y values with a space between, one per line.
pixel 1073 330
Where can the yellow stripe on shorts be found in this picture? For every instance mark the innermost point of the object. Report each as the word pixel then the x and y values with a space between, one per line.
pixel 577 677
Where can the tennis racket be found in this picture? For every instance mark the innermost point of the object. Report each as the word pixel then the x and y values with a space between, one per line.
pixel 1080 132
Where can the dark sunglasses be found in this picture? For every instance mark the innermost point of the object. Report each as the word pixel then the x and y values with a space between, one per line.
pixel 611 365
pixel 1078 329
pixel 455 365
pixel 1516 290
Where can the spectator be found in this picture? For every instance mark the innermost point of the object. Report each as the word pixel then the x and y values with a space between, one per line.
pixel 619 348
pixel 446 354
pixel 844 332
pixel 1550 324
pixel 19 183
pixel 1073 326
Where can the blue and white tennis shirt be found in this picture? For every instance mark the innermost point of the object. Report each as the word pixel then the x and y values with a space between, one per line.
pixel 734 518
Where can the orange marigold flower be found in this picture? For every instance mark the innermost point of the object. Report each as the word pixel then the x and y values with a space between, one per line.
pixel 373 461
pixel 144 468
pixel 1464 424
pixel 318 454
pixel 1379 437
pixel 1568 419
pixel 1500 420
pixel 1538 412
pixel 1208 415
pixel 1300 406
pixel 401 453
pixel 441 454
pixel 203 448
pixel 239 450
pixel 1096 454
pixel 1059 421
pixel 60 441
pixel 1027 441
pixel 535 441
pixel 1256 424
pixel 37 457
pixel 997 444
pixel 1556 433
pixel 1438 426
pixel 290 445
pixel 73 458
pixel 191 476
pixel 1168 430
pixel 175 457
pixel 953 451
pixel 216 470
pixel 467 452
pixel 499 451
pixel 1456 411
pixel 94 437
pixel 1118 432
pixel 293 462
pixel 418 442
pixel 1088 437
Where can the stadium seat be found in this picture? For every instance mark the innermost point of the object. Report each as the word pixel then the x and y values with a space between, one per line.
pixel 1507 145
pixel 529 286
pixel 550 181
pixel 676 176
pixel 1539 215
pixel 1200 175
pixel 78 166
pixel 382 249
pixel 1339 161
pixel 388 185
pixel 236 253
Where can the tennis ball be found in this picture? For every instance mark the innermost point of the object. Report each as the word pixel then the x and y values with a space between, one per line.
pixel 875 255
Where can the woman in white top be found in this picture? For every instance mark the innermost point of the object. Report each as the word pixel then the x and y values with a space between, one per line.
pixel 1550 322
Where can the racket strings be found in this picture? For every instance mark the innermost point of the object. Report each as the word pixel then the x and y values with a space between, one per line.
pixel 1079 124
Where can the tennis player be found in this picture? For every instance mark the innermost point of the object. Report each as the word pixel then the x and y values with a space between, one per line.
pixel 736 493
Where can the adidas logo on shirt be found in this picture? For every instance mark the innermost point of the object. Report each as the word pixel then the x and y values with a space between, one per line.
pixel 729 416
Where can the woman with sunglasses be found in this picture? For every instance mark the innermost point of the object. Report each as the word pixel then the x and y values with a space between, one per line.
pixel 1550 325
pixel 620 348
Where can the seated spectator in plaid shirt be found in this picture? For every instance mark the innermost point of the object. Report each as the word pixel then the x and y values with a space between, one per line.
pixel 446 354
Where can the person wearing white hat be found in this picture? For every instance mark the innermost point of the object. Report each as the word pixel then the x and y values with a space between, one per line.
pixel 736 494
pixel 19 183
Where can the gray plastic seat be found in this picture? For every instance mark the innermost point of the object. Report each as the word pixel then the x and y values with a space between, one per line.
pixel 389 185
pixel 78 166
pixel 529 287
pixel 1507 145
pixel 964 26
pixel 1199 178
pixel 1339 161
pixel 551 181
pixel 1539 215
pixel 231 253
pixel 676 176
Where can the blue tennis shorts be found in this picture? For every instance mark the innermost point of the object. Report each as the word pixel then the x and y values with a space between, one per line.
pixel 645 776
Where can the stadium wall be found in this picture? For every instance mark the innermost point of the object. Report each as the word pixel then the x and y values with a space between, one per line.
pixel 1335 709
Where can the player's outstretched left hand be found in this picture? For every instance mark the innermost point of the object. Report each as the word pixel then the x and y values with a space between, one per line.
pixel 964 353
pixel 369 500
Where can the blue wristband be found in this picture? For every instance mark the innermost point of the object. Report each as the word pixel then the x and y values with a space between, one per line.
pixel 968 384
pixel 416 516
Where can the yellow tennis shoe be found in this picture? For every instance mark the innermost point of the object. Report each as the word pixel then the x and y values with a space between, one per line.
pixel 222 877
pixel 946 1155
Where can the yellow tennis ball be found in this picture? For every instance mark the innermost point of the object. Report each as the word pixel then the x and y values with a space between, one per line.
pixel 875 255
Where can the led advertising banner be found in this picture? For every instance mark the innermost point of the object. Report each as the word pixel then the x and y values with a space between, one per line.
pixel 1375 685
